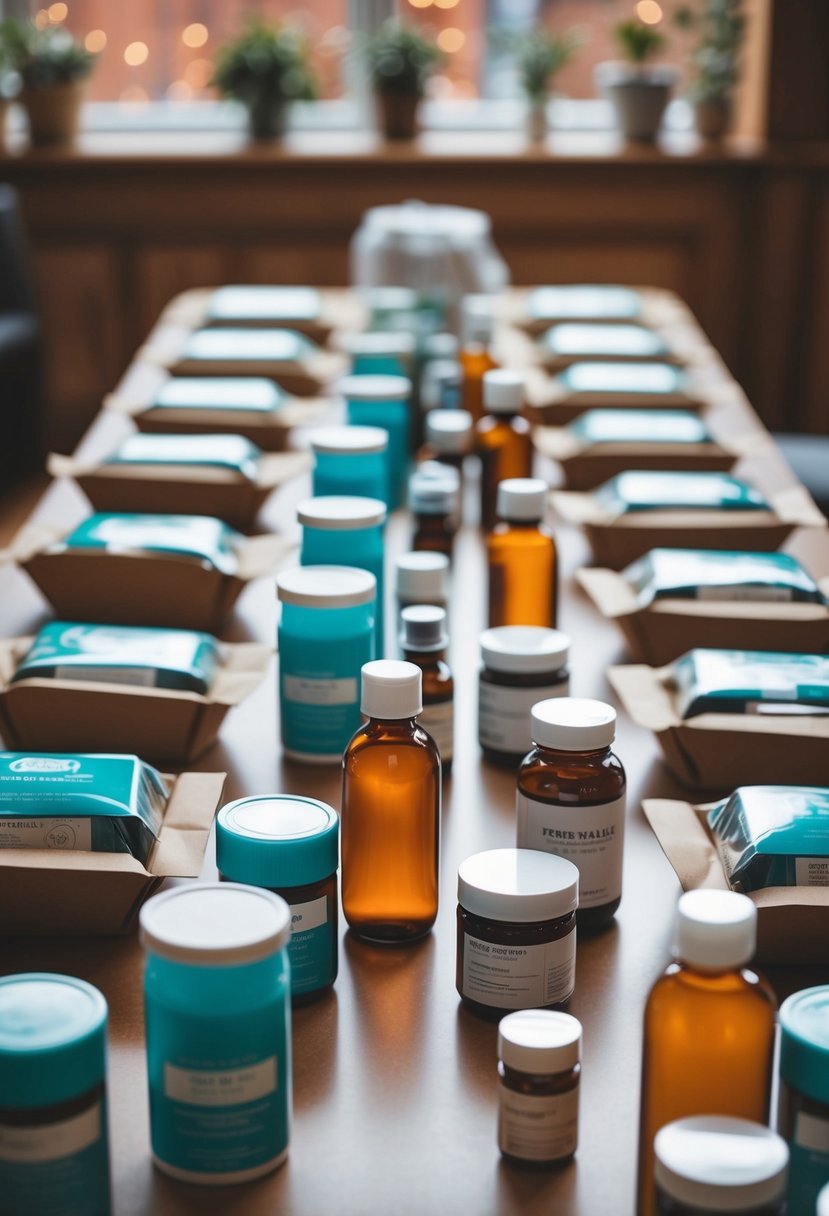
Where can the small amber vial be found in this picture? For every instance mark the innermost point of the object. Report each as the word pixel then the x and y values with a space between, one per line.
pixel 502 438
pixel 522 558
pixel 434 499
pixel 571 799
pixel 539 1070
pixel 449 435
pixel 390 811
pixel 475 355
pixel 423 641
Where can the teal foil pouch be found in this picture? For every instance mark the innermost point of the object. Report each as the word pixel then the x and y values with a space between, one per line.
pixel 641 379
pixel 773 836
pixel 233 304
pixel 199 538
pixel 640 427
pixel 233 453
pixel 721 575
pixel 239 394
pixel 751 682
pixel 643 490
pixel 94 803
pixel 273 345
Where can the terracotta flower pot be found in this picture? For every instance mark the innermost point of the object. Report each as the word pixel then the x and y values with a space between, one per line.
pixel 267 118
pixel 713 118
pixel 639 97
pixel 53 112
pixel 398 114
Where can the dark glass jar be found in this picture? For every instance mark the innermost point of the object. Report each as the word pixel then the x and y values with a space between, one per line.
pixel 539 1069
pixel 522 665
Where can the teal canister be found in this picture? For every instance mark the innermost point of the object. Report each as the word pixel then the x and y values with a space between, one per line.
pixel 384 401
pixel 54 1152
pixel 803 1114
pixel 291 846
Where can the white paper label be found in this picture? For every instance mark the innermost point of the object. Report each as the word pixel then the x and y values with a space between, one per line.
pixel 542 1128
pixel 811 1133
pixel 310 915
pixel 439 721
pixel 592 837
pixel 144 677
pixel 319 692
pixel 519 977
pixel 811 871
pixel 504 714
pixel 51 1141
pixel 230 1087
pixel 46 834
pixel 766 594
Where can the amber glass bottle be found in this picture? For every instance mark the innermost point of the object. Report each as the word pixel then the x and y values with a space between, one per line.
pixel 522 558
pixel 502 438
pixel 709 1026
pixel 448 437
pixel 390 811
pixel 475 355
pixel 434 499
pixel 423 641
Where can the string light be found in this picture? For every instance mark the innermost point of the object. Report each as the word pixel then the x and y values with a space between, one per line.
pixel 95 41
pixel 649 11
pixel 451 39
pixel 446 3
pixel 57 12
pixel 420 3
pixel 136 54
pixel 194 35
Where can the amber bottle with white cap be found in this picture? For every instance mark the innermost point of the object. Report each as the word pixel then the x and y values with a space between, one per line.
pixel 475 355
pixel 423 640
pixel 521 557
pixel 390 810
pixel 502 437
pixel 539 1068
pixel 448 437
pixel 709 1026
pixel 710 1165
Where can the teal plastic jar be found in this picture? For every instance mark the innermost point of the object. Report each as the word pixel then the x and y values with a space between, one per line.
pixel 218 1014
pixel 384 401
pixel 381 352
pixel 326 633
pixel 350 460
pixel 346 531
pixel 291 846
pixel 803 1114
pixel 54 1153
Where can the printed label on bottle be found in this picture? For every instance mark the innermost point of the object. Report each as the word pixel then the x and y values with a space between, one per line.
pixel 808 1161
pixel 145 677
pixel 50 1141
pixel 504 714
pixel 230 1087
pixel 311 948
pixel 538 1128
pixel 46 834
pixel 811 871
pixel 306 691
pixel 56 1169
pixel 519 977
pixel 592 837
pixel 764 595
pixel 439 721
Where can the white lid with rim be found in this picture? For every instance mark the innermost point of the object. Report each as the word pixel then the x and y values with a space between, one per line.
pixel 375 388
pixel 518 885
pixel 379 342
pixel 503 391
pixel 521 498
pixel 477 319
pixel 539 1041
pixel 449 430
pixel 573 724
pixel 823 1201
pixel 391 689
pixel 215 924
pixel 326 587
pixel 422 574
pixel 524 649
pixel 349 440
pixel 715 930
pixel 424 628
pixel 337 512
pixel 720 1164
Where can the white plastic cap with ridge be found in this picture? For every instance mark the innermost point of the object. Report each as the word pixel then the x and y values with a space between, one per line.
pixel 715 930
pixel 341 512
pixel 521 498
pixel 351 440
pixel 421 576
pixel 424 628
pixel 539 1041
pixel 716 1163
pixel 449 430
pixel 503 391
pixel 573 724
pixel 375 388
pixel 391 689
pixel 379 342
pixel 823 1202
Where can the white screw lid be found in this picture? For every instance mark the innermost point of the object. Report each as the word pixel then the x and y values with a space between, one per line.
pixel 379 342
pixel 720 1164
pixel 823 1201
pixel 573 724
pixel 215 924
pixel 391 689
pixel 349 440
pixel 503 391
pixel 521 498
pixel 524 648
pixel 449 430
pixel 326 587
pixel 715 930
pixel 539 1041
pixel 424 628
pixel 477 320
pixel 518 885
pixel 375 388
pixel 344 512
pixel 421 576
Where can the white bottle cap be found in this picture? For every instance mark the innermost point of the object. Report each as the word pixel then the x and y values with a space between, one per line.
pixel 375 388
pixel 823 1201
pixel 326 587
pixel 433 494
pixel 421 577
pixel 391 689
pixel 521 498
pixel 349 440
pixel 518 885
pixel 524 648
pixel 715 930
pixel 539 1041
pixel 714 1163
pixel 339 513
pixel 215 924
pixel 477 321
pixel 573 724
pixel 379 342
pixel 424 628
pixel 503 391
pixel 449 430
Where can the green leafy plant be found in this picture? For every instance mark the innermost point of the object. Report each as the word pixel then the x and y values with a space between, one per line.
pixel 43 57
pixel 265 66
pixel 721 25
pixel 638 42
pixel 400 59
pixel 539 55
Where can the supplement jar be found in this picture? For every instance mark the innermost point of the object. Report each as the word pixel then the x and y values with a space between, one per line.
pixel 54 1155
pixel 383 401
pixel 516 930
pixel 216 992
pixel 326 633
pixel 717 1164
pixel 350 460
pixel 803 1114
pixel 291 846
pixel 522 664
pixel 539 1068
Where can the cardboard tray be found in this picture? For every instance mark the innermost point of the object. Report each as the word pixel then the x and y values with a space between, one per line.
pixel 69 893
pixel 158 724
pixel 339 310
pixel 659 308
pixel 792 922
pixel 718 752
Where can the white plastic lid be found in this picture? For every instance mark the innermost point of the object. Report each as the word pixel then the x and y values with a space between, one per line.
pixel 350 440
pixel 503 391
pixel 573 724
pixel 524 649
pixel 518 885
pixel 421 576
pixel 215 924
pixel 391 689
pixel 539 1041
pixel 449 430
pixel 715 930
pixel 424 628
pixel 433 494
pixel 720 1164
pixel 823 1201
pixel 326 587
pixel 477 320
pixel 375 388
pixel 521 498
pixel 379 342
pixel 337 512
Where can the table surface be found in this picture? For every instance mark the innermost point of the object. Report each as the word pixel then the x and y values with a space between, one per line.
pixel 394 1082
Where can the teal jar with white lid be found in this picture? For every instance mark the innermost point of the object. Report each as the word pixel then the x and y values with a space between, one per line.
pixel 384 401
pixel 803 1112
pixel 218 1021
pixel 289 845
pixel 350 460
pixel 54 1151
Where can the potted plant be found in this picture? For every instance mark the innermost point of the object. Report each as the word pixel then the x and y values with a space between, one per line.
pixel 638 91
pixel 539 55
pixel 266 68
pixel 716 62
pixel 53 69
pixel 400 61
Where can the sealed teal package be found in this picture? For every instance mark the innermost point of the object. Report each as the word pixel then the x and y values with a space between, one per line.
pixel 277 345
pixel 200 538
pixel 584 301
pixel 643 490
pixel 264 303
pixel 773 836
pixel 640 426
pixel 639 379
pixel 90 802
pixel 178 659
pixel 245 394
pixel 231 452
pixel 751 681
pixel 717 575
pixel 585 341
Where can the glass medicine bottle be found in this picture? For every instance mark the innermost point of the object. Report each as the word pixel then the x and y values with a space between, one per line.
pixel 390 811
pixel 571 799
pixel 420 577
pixel 423 641
pixel 539 1069
pixel 709 1026
pixel 434 502
pixel 710 1165
pixel 475 355
pixel 448 437
pixel 521 557
pixel 502 437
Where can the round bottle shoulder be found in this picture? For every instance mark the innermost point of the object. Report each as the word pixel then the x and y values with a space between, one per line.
pixel 587 776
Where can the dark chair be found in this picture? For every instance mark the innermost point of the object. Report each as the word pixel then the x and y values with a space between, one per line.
pixel 21 438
